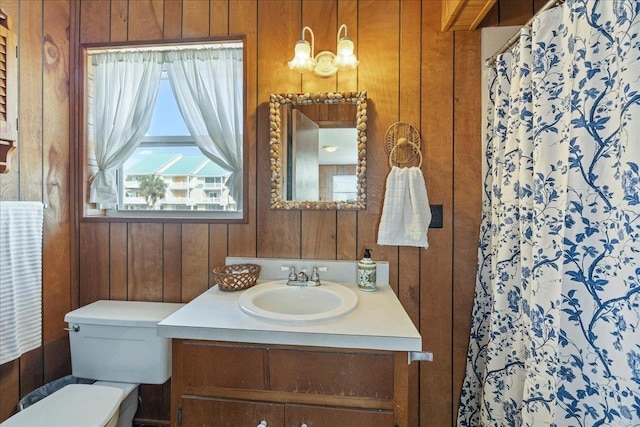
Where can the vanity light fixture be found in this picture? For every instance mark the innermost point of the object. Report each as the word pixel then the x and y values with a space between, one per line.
pixel 325 63
pixel 329 148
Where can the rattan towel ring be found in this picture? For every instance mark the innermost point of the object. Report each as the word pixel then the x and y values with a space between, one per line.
pixel 402 143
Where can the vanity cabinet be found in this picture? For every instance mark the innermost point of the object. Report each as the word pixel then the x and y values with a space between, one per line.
pixel 237 384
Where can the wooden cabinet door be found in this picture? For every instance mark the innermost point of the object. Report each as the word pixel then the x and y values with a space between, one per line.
pixel 321 416
pixel 210 412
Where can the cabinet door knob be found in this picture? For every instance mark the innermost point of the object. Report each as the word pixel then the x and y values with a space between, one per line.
pixel 303 425
pixel 263 423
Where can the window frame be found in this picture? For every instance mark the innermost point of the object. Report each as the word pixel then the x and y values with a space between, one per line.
pixel 88 213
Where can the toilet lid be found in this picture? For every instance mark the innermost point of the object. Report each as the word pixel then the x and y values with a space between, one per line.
pixel 75 405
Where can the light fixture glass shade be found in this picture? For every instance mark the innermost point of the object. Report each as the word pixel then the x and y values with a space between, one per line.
pixel 302 60
pixel 345 59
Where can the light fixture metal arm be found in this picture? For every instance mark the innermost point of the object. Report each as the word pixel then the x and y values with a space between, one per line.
pixel 313 40
pixel 339 31
pixel 325 63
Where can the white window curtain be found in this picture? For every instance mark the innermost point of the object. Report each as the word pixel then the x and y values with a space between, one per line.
pixel 126 85
pixel 207 84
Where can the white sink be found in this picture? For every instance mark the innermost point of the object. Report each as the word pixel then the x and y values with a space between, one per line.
pixel 277 302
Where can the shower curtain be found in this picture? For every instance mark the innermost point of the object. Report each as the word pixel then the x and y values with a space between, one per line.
pixel 555 336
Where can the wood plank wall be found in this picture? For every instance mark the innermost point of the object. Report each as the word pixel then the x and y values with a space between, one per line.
pixel 43 174
pixel 412 73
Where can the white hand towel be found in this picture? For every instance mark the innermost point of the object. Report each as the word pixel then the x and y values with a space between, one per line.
pixel 406 214
pixel 21 226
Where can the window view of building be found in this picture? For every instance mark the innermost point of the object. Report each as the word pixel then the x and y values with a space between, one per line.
pixel 191 182
pixel 154 144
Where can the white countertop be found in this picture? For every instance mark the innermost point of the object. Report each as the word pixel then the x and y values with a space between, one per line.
pixel 379 322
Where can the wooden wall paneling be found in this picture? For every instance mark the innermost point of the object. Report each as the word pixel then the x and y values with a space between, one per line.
pixel 467 194
pixel 166 401
pixel 172 263
pixel 30 182
pixel 318 234
pixel 151 409
pixel 278 233
pixel 119 20
pixel 146 19
pixel 515 12
pixel 218 17
pixel 409 103
pixel 74 153
pixel 348 14
pixel 10 371
pixel 94 20
pixel 144 262
pixel 537 4
pixel 57 245
pixel 195 18
pixel 118 260
pixel 31 104
pixel 318 230
pixel 9 181
pixel 9 388
pixel 346 237
pixel 195 260
pixel 346 221
pixel 492 18
pixel 93 276
pixel 321 18
pixel 218 244
pixel 243 19
pixel 173 19
pixel 32 371
pixel 378 75
pixel 409 106
pixel 436 262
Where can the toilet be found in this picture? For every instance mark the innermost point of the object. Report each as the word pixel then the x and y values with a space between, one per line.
pixel 116 344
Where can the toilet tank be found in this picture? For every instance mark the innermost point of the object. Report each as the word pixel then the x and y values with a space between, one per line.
pixel 117 341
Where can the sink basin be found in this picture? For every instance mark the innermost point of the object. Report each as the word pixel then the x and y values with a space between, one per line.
pixel 277 302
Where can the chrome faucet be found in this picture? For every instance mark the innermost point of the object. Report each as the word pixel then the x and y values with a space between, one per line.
pixel 302 279
pixel 315 276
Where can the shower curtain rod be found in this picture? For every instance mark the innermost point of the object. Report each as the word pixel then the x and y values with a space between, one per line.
pixel 490 62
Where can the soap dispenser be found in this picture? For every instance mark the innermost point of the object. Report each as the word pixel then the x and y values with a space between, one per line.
pixel 366 273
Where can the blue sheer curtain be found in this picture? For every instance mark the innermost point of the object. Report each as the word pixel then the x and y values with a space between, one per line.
pixel 555 337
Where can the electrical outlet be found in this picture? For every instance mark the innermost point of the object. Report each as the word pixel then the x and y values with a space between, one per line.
pixel 436 216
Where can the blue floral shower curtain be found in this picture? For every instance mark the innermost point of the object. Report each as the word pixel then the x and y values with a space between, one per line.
pixel 555 338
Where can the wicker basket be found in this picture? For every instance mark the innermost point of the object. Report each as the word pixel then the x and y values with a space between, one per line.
pixel 235 277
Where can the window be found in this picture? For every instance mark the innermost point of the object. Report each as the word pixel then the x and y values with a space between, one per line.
pixel 345 188
pixel 165 151
pixel 168 151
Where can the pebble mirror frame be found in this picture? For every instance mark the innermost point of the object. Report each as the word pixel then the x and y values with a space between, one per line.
pixel 359 99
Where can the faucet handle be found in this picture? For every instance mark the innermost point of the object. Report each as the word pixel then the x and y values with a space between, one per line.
pixel 292 273
pixel 315 275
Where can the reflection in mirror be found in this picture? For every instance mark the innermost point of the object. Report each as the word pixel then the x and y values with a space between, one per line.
pixel 318 150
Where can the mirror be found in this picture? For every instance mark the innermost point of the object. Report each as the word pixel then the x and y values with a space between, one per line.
pixel 318 150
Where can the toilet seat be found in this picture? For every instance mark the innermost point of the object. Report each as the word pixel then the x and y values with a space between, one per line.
pixel 75 405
